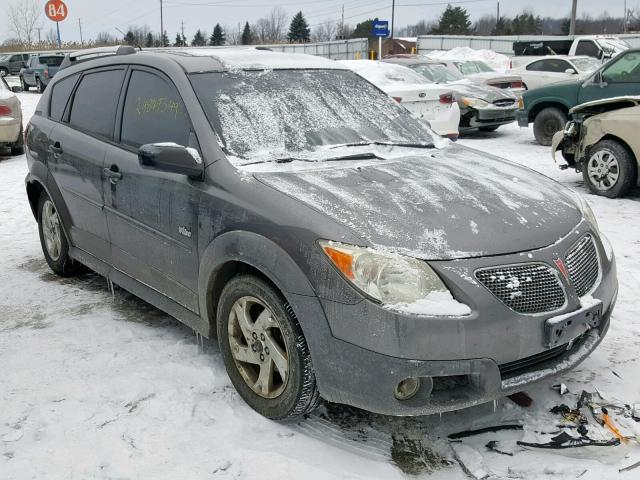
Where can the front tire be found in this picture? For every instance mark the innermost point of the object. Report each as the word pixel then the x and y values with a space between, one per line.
pixel 18 147
pixel 40 85
pixel 548 121
pixel 264 350
pixel 610 169
pixel 53 239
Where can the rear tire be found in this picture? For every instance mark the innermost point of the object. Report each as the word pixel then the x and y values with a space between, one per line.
pixel 18 147
pixel 53 239
pixel 610 169
pixel 23 84
pixel 548 121
pixel 40 85
pixel 257 329
pixel 492 128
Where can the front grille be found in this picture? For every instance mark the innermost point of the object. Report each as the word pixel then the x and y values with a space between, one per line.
pixel 525 288
pixel 583 266
pixel 504 102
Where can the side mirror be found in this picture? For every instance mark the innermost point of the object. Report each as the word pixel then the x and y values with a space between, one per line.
pixel 171 157
pixel 571 71
pixel 16 89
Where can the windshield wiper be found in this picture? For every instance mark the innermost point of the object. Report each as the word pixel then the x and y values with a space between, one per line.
pixel 355 156
pixel 387 144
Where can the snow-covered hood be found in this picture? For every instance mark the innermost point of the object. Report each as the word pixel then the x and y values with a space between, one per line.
pixel 494 77
pixel 442 204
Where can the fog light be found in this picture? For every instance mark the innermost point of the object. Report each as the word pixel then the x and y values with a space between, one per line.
pixel 407 388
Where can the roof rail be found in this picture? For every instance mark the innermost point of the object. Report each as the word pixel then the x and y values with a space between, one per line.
pixel 91 53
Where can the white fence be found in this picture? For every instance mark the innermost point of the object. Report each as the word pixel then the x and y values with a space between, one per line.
pixel 352 49
pixel 500 44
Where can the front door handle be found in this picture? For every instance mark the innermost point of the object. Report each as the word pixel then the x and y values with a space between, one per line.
pixel 113 174
pixel 56 148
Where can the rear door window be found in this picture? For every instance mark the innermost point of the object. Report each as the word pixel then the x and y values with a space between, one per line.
pixel 153 112
pixel 95 102
pixel 59 96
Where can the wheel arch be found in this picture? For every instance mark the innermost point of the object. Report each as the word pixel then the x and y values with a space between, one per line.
pixel 538 107
pixel 239 252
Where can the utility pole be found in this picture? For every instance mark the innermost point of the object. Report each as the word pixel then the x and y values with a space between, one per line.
pixel 80 26
pixel 572 25
pixel 393 14
pixel 39 41
pixel 184 40
pixel 624 26
pixel 498 18
pixel 161 27
pixel 342 24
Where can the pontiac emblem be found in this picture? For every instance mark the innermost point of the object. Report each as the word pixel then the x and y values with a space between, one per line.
pixel 562 267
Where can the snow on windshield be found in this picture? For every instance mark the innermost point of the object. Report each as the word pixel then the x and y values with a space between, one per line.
pixel 586 65
pixel 263 116
pixel 436 73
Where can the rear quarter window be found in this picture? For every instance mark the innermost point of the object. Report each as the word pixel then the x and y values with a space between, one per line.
pixel 95 102
pixel 59 95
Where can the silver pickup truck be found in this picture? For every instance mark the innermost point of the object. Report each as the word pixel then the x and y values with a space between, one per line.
pixel 39 70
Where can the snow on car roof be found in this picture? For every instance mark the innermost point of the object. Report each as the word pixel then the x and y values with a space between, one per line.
pixel 253 58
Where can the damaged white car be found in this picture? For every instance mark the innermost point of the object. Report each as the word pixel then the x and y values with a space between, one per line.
pixel 601 141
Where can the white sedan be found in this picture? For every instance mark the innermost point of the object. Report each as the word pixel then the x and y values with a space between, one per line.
pixel 541 71
pixel 10 119
pixel 436 104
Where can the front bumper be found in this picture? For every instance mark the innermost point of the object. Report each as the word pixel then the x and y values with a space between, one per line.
pixel 486 117
pixel 522 116
pixel 462 361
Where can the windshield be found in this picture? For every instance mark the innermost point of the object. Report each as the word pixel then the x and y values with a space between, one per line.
pixel 586 65
pixel 613 45
pixel 51 61
pixel 473 67
pixel 436 72
pixel 386 75
pixel 263 116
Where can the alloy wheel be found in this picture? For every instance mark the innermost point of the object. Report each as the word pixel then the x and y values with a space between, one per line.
pixel 257 347
pixel 51 230
pixel 603 170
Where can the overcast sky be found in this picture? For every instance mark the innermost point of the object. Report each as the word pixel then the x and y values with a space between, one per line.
pixel 106 15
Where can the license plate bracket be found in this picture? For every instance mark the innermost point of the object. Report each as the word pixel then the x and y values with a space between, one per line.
pixel 564 328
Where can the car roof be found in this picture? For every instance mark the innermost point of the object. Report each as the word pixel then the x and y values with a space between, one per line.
pixel 411 60
pixel 210 59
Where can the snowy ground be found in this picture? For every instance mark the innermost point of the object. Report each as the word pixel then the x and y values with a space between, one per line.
pixel 100 387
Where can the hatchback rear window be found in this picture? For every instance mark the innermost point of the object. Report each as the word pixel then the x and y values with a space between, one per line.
pixel 95 102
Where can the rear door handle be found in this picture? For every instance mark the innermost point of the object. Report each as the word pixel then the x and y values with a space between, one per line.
pixel 112 174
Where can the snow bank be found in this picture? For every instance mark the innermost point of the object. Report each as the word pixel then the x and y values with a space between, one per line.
pixel 437 303
pixel 497 61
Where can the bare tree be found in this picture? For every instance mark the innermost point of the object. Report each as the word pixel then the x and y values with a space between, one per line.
pixel 272 28
pixel 24 18
pixel 324 32
pixel 485 25
pixel 105 38
pixel 234 34
pixel 51 36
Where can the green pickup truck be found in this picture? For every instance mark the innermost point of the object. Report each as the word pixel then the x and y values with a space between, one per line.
pixel 547 107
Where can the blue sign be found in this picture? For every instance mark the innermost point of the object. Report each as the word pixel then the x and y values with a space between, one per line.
pixel 380 28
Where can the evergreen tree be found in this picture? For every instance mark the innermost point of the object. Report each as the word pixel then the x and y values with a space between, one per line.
pixel 363 29
pixel 130 38
pixel 453 21
pixel 165 40
pixel 218 36
pixel 526 24
pixel 247 36
pixel 198 39
pixel 299 31
pixel 149 41
pixel 179 42
pixel 503 27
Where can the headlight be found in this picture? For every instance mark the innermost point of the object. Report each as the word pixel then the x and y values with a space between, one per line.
pixel 387 277
pixel 474 102
pixel 586 211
